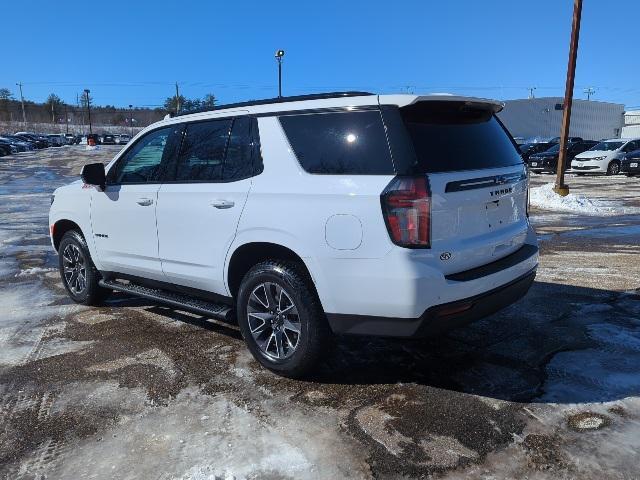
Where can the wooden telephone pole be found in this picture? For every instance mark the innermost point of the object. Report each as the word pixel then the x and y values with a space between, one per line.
pixel 560 188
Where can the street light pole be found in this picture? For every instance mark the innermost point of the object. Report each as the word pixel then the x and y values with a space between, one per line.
pixel 86 92
pixel 131 119
pixel 279 55
pixel 560 188
pixel 24 116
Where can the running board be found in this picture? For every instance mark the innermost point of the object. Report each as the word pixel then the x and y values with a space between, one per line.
pixel 177 300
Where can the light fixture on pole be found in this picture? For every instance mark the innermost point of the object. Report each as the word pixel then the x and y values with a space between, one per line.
pixel 279 55
pixel 86 92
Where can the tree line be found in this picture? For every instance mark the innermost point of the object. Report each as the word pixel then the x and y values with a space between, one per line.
pixel 55 111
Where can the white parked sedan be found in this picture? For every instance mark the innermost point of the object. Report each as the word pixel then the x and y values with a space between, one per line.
pixel 605 157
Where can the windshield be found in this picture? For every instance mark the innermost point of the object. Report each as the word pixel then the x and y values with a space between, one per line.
pixel 607 146
pixel 554 149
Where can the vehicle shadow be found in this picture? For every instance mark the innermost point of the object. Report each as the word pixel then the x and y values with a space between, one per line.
pixel 561 344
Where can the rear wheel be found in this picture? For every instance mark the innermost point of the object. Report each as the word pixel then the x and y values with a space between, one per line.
pixel 79 275
pixel 281 318
pixel 613 168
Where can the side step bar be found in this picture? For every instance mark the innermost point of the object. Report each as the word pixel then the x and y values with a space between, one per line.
pixel 177 300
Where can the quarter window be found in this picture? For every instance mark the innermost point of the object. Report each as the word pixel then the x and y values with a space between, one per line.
pixel 352 143
pixel 203 149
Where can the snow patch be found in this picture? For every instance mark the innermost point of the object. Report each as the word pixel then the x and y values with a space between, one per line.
pixel 545 198
pixel 34 271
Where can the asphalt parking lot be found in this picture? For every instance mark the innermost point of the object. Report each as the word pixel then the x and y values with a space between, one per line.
pixel 548 388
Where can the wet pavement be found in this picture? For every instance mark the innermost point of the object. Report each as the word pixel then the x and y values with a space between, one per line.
pixel 548 388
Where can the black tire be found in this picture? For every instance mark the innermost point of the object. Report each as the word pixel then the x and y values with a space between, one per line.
pixel 73 246
pixel 613 168
pixel 314 332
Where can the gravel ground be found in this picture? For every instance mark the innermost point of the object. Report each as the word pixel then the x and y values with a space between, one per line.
pixel 548 388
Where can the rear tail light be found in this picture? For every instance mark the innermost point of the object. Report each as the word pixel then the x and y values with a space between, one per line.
pixel 406 206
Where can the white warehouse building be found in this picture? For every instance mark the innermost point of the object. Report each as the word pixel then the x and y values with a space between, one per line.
pixel 542 117
pixel 631 127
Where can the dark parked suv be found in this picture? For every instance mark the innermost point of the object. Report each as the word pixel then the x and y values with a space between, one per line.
pixel 630 164
pixel 528 149
pixel 108 139
pixel 547 161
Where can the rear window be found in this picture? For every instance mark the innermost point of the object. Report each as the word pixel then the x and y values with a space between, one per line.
pixel 349 143
pixel 451 136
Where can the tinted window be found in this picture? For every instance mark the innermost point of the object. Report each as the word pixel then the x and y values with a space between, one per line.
pixel 141 163
pixel 450 136
pixel 238 163
pixel 340 143
pixel 202 152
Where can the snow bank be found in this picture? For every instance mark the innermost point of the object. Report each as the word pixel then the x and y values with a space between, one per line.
pixel 545 198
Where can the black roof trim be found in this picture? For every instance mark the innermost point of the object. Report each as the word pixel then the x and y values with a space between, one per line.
pixel 267 101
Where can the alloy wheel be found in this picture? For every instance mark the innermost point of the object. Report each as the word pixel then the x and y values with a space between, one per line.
pixel 274 321
pixel 614 168
pixel 75 272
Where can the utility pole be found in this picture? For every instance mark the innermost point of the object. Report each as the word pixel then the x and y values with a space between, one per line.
pixel 531 94
pixel 66 117
pixel 279 55
pixel 53 113
pixel 560 188
pixel 589 91
pixel 131 119
pixel 24 116
pixel 86 92
pixel 79 110
pixel 177 99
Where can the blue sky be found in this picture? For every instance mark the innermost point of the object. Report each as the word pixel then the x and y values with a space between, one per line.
pixel 133 51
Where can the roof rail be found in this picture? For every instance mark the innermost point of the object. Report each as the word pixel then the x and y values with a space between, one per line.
pixel 266 101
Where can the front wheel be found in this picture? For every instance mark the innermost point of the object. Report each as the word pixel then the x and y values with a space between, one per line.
pixel 613 168
pixel 79 275
pixel 281 318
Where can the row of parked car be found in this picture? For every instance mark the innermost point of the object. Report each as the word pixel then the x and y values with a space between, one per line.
pixel 611 157
pixel 28 141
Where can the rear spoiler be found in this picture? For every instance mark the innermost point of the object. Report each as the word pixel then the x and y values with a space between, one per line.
pixel 475 102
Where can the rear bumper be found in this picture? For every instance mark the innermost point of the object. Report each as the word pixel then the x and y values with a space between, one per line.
pixel 627 168
pixel 437 319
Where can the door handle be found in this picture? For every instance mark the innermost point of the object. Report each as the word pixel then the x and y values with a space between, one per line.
pixel 144 202
pixel 222 204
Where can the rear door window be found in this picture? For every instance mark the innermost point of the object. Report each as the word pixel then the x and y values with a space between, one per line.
pixel 452 136
pixel 239 163
pixel 343 143
pixel 202 153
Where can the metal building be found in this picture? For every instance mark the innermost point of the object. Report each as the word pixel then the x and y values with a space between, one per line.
pixel 631 127
pixel 542 117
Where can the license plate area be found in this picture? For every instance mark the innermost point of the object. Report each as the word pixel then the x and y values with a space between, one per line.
pixel 499 213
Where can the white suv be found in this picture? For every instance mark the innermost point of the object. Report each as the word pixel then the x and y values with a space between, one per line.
pixel 351 213
pixel 605 157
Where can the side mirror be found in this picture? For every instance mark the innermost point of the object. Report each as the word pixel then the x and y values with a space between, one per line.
pixel 94 174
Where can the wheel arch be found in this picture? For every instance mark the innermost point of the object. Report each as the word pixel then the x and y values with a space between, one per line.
pixel 251 253
pixel 60 227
